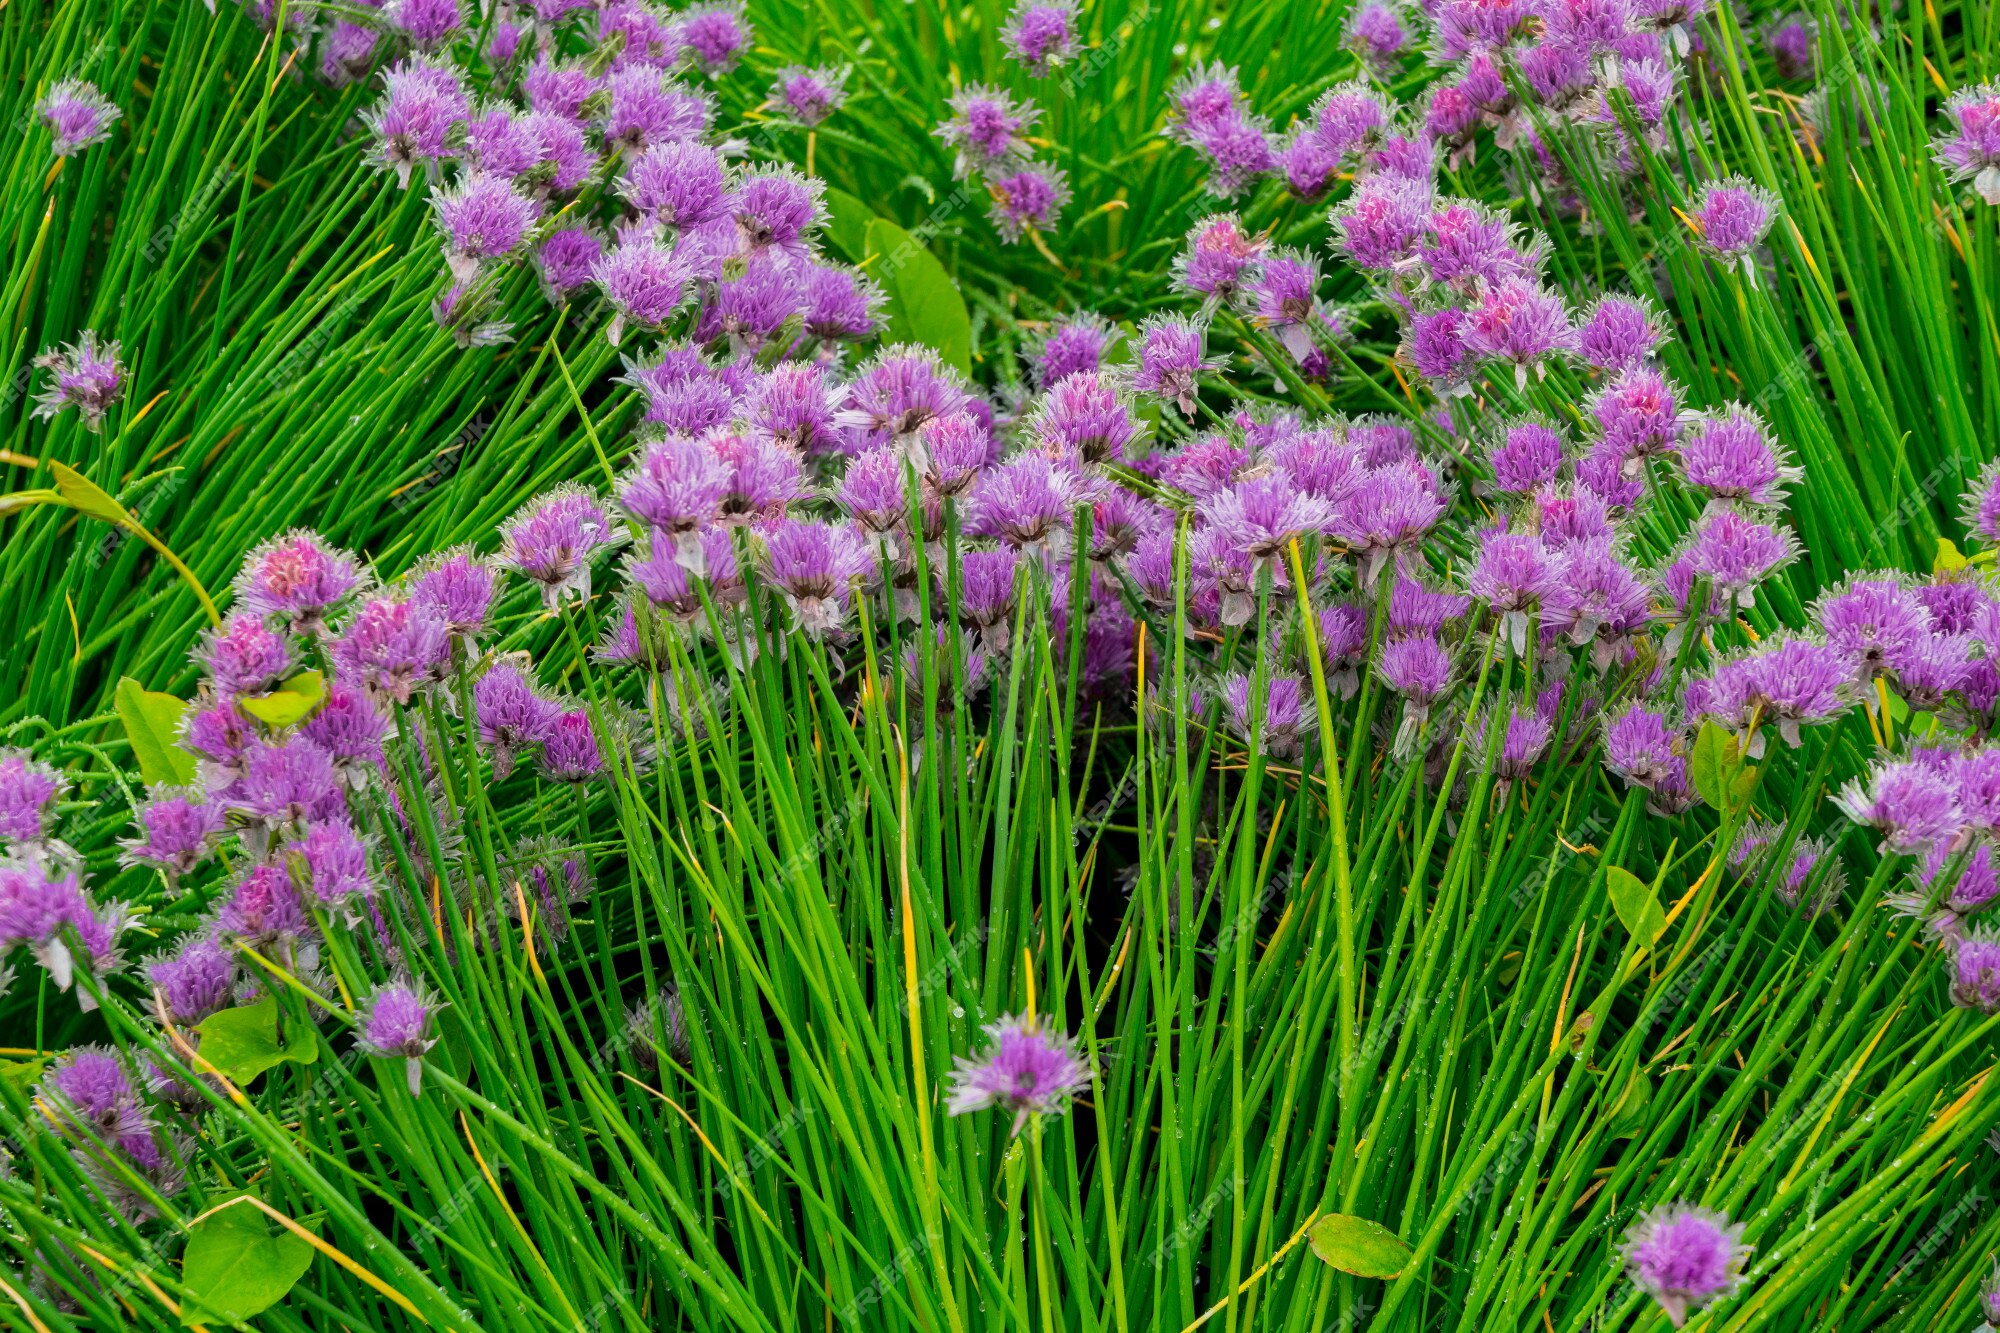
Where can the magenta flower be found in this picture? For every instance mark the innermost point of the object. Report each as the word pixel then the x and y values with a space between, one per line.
pixel 1971 149
pixel 393 648
pixel 77 115
pixel 1041 34
pixel 1220 259
pixel 571 751
pixel 1518 323
pixel 243 656
pixel 297 578
pixel 808 96
pixel 987 130
pixel 87 376
pixel 399 1022
pixel 1024 1069
pixel 814 566
pixel 1684 1257
pixel 1028 199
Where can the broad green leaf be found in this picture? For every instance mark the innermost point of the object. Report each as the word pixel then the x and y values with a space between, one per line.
pixel 291 703
pixel 238 1264
pixel 86 496
pixel 847 224
pixel 1716 766
pixel 924 307
pixel 244 1042
pixel 1636 903
pixel 1358 1246
pixel 152 721
pixel 1948 558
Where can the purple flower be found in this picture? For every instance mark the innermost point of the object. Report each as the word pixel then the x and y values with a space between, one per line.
pixel 1375 33
pixel 645 283
pixel 565 261
pixel 1309 166
pixel 649 40
pixel 808 96
pixel 427 23
pixel 1203 99
pixel 347 53
pixel 220 736
pixel 1417 667
pixel 987 130
pixel 77 116
pixel 1418 611
pixel 558 88
pixel 88 376
pixel 776 211
pixel 1620 333
pixel 646 108
pixel 298 578
pixel 1028 199
pixel 1529 456
pixel 1874 623
pixel 1171 361
pixel 714 35
pixel 498 146
pixel 1975 973
pixel 1517 323
pixel 1204 465
pixel 1220 258
pixel 393 648
pixel 195 981
pixel 764 476
pixel 1388 513
pixel 1800 682
pixel 1238 150
pixel 179 828
pixel 1084 418
pixel 1982 504
pixel 1638 415
pixel 349 729
pixel 1597 599
pixel 1684 1257
pixel 264 912
pixel 1731 217
pixel 954 450
pixel 1913 805
pixel 1343 645
pixel 1078 343
pixel 1558 70
pixel 1435 344
pixel 1737 552
pixel 552 540
pixel 399 1022
pixel 1791 44
pixel 570 752
pixel 512 716
pixel 986 593
pixel 243 656
pixel 456 588
pixel 1934 668
pixel 414 121
pixel 1729 456
pixel 1468 247
pixel 1260 516
pixel 902 388
pixel 814 566
pixel 335 863
pixel 677 184
pixel 838 304
pixel 1026 502
pixel 1281 729
pixel 1971 149
pixel 28 794
pixel 794 407
pixel 461 311
pixel 1041 34
pixel 750 310
pixel 1640 747
pixel 1025 1069
pixel 1283 299
pixel 285 785
pixel 676 488
pixel 1512 574
pixel 94 1094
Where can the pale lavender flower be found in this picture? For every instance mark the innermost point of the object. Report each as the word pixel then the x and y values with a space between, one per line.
pixel 1026 502
pixel 1638 415
pixel 334 862
pixel 1512 574
pixel 1597 600
pixel 1238 150
pixel 986 593
pixel 399 1022
pixel 1085 418
pixel 677 184
pixel 414 122
pixel 1435 343
pixel 558 88
pixel 1374 31
pixel 1024 1069
pixel 646 108
pixel 1982 504
pixel 285 785
pixel 552 541
pixel 1220 258
pixel 92 1091
pixel 1684 1257
pixel 955 448
pixel 427 24
pixel 1737 552
pixel 1171 361
pixel 814 565
pixel 987 130
pixel 1640 747
pixel 1041 34
pixel 1970 150
pixel 1260 516
pixel 77 116
pixel 1388 513
pixel 808 96
pixel 1351 118
pixel 347 53
pixel 1284 299
pixel 1027 199
pixel 498 145
pixel 297 578
pixel 1287 718
pixel 220 736
pixel 87 376
pixel 1733 216
pixel 839 304
pixel 892 397
pixel 1729 456
pixel 776 210
pixel 1420 670
pixel 1913 805
pixel 1203 99
pixel 645 282
pixel 393 648
pixel 795 406
pixel 1528 456
pixel 1874 623
pixel 1975 973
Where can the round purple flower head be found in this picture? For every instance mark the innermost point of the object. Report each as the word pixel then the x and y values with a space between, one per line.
pixel 421 105
pixel 1737 553
pixel 552 541
pixel 570 752
pixel 1684 1257
pixel 28 793
pixel 88 376
pixel 1729 456
pixel 987 129
pixel 1791 44
pixel 195 981
pixel 565 260
pixel 1028 200
pixel 179 828
pixel 1287 717
pixel 1204 99
pixel 808 96
pixel 678 184
pixel 1975 973
pixel 1970 150
pixel 1876 624
pixel 1309 167
pixel 813 565
pixel 1041 34
pixel 77 116
pixel 1520 324
pixel 244 656
pixel 1171 361
pixel 512 717
pixel 332 861
pixel 399 1021
pixel 1375 33
pixel 455 588
pixel 1220 259
pixel 1982 504
pixel 776 211
pixel 1078 343
pixel 1619 333
pixel 1913 805
pixel 1530 455
pixel 1026 502
pixel 646 108
pixel 1024 1069
pixel 427 23
pixel 644 281
pixel 714 36
pixel 93 1092
pixel 298 578
pixel 1733 216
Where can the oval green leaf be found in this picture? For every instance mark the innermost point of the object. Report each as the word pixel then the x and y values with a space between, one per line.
pixel 291 703
pixel 1715 766
pixel 923 307
pixel 86 496
pixel 244 1042
pixel 1637 905
pixel 1358 1246
pixel 238 1264
pixel 152 724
